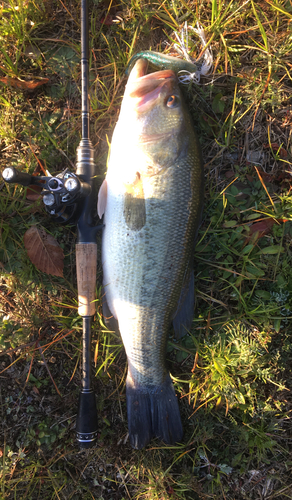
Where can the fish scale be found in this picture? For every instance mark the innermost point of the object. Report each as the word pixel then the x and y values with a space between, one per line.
pixel 147 247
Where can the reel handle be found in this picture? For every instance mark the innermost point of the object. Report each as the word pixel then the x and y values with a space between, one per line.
pixel 13 176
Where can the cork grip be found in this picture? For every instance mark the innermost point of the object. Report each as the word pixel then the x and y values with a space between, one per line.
pixel 86 262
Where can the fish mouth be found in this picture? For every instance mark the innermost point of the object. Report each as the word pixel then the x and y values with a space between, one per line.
pixel 145 89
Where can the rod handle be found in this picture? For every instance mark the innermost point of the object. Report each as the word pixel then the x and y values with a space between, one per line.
pixel 86 423
pixel 86 264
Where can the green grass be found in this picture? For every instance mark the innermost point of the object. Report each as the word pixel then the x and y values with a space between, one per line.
pixel 232 373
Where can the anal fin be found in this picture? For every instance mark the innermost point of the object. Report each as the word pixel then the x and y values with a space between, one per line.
pixel 184 314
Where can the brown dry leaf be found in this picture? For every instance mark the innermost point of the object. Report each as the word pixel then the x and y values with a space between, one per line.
pixel 22 84
pixel 35 390
pixel 44 251
pixel 262 227
pixel 33 192
pixel 229 174
pixel 276 148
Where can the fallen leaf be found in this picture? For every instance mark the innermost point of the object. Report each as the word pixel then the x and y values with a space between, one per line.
pixel 262 228
pixel 22 84
pixel 275 147
pixel 33 193
pixel 265 176
pixel 229 174
pixel 284 177
pixel 44 251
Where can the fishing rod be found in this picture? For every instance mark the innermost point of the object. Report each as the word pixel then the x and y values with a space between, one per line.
pixel 71 198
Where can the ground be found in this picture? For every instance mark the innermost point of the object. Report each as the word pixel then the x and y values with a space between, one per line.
pixel 232 373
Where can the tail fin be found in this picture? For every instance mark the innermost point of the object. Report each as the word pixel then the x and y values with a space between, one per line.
pixel 153 412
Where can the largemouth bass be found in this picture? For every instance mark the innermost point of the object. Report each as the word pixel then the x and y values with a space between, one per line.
pixel 152 201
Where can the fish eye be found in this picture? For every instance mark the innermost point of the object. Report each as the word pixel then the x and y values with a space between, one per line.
pixel 172 101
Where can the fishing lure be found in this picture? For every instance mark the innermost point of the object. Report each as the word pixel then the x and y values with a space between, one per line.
pixel 163 61
pixel 187 69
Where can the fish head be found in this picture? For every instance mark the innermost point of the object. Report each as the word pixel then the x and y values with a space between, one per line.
pixel 155 113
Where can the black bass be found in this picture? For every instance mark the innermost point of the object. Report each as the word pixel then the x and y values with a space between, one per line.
pixel 152 202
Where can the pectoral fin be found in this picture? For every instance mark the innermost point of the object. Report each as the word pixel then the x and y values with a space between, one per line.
pixel 134 204
pixel 102 197
pixel 184 314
